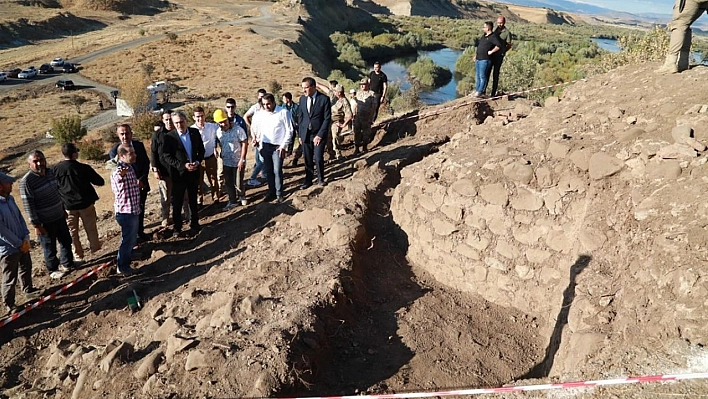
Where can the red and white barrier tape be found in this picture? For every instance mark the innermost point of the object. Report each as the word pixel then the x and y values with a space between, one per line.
pixel 476 100
pixel 42 300
pixel 522 388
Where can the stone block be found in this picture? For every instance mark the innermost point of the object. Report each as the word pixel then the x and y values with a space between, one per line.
pixel 560 241
pixel 538 256
pixel 680 133
pixel 507 250
pixel 464 187
pixel 495 194
pixel 581 159
pixel 603 165
pixel 518 172
pixel 524 200
pixel 453 212
pixel 427 203
pixel 443 227
pixel 468 252
pixel 558 150
pixel 544 177
pixel 496 264
pixel 480 243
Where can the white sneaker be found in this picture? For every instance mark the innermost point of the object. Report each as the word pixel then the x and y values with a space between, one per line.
pixel 57 274
pixel 64 269
pixel 164 223
pixel 244 201
pixel 229 206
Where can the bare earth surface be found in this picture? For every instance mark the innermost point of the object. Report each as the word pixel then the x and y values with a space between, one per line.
pixel 554 243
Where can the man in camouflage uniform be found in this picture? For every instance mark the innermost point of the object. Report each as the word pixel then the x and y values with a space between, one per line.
pixel 686 12
pixel 341 116
pixel 366 108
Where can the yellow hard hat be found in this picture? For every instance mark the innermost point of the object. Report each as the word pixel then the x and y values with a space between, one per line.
pixel 220 116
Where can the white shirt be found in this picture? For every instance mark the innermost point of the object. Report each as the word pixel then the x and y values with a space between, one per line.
pixel 273 127
pixel 208 137
pixel 252 111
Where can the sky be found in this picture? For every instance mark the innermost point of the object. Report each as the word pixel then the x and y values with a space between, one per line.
pixel 634 6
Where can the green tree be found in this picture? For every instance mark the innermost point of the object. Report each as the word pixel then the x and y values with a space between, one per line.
pixel 75 100
pixel 429 74
pixel 68 129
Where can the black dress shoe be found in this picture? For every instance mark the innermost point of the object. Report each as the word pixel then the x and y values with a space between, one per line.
pixel 305 186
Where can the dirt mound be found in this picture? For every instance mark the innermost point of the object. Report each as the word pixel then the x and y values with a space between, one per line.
pixel 586 215
pixel 543 15
pixel 25 31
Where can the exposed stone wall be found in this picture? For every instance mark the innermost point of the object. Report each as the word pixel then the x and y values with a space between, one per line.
pixel 595 201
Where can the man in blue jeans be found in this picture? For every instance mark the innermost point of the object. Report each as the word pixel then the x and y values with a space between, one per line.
pixel 126 189
pixel 272 130
pixel 42 202
pixel 488 45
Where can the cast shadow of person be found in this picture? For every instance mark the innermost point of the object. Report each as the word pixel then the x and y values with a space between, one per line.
pixel 543 368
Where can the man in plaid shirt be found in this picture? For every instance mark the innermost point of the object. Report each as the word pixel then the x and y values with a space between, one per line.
pixel 126 189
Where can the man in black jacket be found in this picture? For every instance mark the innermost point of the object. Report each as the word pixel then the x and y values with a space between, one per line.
pixel 182 152
pixel 75 181
pixel 141 168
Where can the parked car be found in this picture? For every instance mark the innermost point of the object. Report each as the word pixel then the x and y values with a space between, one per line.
pixel 57 62
pixel 27 73
pixel 3 76
pixel 68 67
pixel 12 73
pixel 46 68
pixel 65 84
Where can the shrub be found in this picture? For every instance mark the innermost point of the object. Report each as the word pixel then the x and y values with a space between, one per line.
pixel 133 90
pixel 343 80
pixel 75 100
pixel 92 149
pixel 651 46
pixel 429 74
pixel 68 129
pixel 108 135
pixel 171 36
pixel 408 100
pixel 142 125
pixel 274 87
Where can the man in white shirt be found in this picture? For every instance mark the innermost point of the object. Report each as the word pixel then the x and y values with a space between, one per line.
pixel 209 166
pixel 248 116
pixel 272 130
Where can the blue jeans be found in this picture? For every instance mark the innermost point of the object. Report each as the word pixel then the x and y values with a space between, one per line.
pixel 129 236
pixel 259 164
pixel 481 73
pixel 273 164
pixel 57 230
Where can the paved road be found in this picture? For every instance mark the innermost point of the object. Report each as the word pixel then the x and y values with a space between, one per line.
pixel 12 84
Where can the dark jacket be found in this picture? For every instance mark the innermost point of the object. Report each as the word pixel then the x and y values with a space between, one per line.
pixel 174 155
pixel 317 121
pixel 158 140
pixel 75 181
pixel 142 162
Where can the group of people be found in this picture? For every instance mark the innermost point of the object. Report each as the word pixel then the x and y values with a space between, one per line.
pixel 491 48
pixel 181 156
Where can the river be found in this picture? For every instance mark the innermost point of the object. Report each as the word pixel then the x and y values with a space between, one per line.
pixel 446 57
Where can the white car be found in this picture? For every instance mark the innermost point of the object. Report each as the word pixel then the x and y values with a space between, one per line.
pixel 27 73
pixel 158 87
pixel 57 62
pixel 3 76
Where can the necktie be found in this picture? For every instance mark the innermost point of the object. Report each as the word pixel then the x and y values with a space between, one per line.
pixel 309 104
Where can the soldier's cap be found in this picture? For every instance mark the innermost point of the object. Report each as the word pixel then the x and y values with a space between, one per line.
pixel 364 81
pixel 352 91
pixel 339 89
pixel 6 178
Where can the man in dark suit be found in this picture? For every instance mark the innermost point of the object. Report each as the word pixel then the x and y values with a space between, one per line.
pixel 141 168
pixel 314 118
pixel 182 152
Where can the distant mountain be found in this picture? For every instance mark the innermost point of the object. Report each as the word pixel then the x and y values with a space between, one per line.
pixel 582 8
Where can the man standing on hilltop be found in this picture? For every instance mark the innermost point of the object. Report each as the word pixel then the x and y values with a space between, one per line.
pixel 498 57
pixel 686 12
pixel 76 181
pixel 488 44
pixel 379 85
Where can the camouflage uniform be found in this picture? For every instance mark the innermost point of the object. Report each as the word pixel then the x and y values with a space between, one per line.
pixel 686 12
pixel 341 112
pixel 366 103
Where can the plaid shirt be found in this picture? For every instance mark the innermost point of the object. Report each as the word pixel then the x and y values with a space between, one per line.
pixel 126 190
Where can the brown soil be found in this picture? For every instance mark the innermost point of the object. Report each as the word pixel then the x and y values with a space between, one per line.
pixel 365 285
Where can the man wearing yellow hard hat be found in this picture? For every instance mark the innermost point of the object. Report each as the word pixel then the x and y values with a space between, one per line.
pixel 234 146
